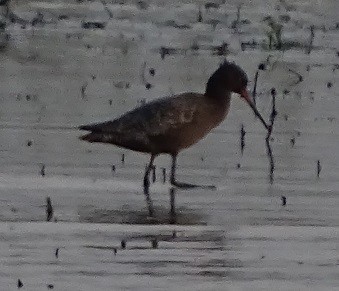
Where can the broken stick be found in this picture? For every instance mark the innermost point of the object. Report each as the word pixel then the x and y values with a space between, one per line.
pixel 268 136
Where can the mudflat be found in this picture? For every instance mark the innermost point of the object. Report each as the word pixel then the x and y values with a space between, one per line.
pixel 88 62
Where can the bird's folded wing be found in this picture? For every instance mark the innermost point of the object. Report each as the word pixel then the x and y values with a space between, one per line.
pixel 154 118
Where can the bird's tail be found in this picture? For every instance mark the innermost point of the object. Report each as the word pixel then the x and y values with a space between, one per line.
pixel 92 137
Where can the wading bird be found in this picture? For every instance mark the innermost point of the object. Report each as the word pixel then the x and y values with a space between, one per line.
pixel 169 125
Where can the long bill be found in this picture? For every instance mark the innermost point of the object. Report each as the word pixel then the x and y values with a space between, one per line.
pixel 244 93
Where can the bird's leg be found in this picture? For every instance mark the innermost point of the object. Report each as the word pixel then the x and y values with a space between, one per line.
pixel 172 200
pixel 146 187
pixel 181 184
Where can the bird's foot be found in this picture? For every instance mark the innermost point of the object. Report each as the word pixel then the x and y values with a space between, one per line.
pixel 148 199
pixel 190 186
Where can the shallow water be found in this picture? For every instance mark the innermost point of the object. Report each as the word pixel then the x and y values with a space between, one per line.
pixel 239 237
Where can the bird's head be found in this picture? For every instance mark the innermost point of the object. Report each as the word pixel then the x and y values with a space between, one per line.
pixel 229 77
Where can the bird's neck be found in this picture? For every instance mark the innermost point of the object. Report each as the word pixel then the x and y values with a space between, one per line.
pixel 219 95
pixel 217 89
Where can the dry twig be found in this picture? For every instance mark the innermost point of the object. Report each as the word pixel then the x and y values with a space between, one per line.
pixel 242 139
pixel 49 209
pixel 268 136
pixel 261 67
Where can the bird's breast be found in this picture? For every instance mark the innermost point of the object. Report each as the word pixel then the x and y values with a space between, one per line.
pixel 202 123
